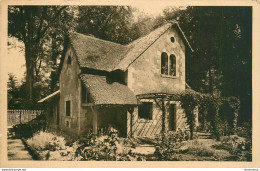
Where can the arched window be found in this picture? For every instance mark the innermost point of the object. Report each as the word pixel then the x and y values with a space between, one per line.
pixel 164 63
pixel 69 60
pixel 172 65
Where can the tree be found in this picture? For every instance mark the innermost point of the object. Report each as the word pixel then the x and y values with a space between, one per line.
pixel 13 92
pixel 29 24
pixel 110 23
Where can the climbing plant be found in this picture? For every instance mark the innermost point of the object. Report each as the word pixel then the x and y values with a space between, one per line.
pixel 189 101
pixel 209 106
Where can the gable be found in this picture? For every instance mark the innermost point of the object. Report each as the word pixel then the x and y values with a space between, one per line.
pixel 146 73
pixel 143 44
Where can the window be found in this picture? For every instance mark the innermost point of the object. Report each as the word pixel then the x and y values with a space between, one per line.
pixel 67 124
pixel 168 64
pixel 145 110
pixel 172 39
pixel 83 93
pixel 69 60
pixel 164 63
pixel 172 66
pixel 67 108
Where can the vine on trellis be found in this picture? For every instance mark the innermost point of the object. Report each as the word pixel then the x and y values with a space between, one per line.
pixel 210 106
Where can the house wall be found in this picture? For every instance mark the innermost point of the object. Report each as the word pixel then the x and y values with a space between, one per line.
pixel 70 90
pixel 151 128
pixel 52 119
pixel 144 74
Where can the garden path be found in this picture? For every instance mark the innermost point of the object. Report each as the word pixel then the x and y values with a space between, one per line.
pixel 17 151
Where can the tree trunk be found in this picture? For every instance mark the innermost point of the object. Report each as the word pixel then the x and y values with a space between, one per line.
pixel 53 59
pixel 29 59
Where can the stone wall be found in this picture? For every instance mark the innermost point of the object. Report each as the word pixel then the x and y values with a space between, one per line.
pixel 70 90
pixel 144 74
pixel 53 119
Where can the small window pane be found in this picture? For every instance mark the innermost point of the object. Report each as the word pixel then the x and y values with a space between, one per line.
pixel 164 63
pixel 145 110
pixel 172 69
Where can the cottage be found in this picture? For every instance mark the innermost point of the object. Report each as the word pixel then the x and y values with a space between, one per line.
pixel 124 86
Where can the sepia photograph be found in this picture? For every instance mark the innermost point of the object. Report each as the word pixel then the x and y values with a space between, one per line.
pixel 129 83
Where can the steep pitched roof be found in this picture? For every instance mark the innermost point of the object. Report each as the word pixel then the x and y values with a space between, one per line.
pixel 108 93
pixel 108 56
pixel 96 53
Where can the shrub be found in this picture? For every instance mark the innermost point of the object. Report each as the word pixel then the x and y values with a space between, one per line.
pixel 237 147
pixel 46 141
pixel 200 150
pixel 106 148
pixel 245 130
pixel 168 144
pixel 52 147
pixel 28 129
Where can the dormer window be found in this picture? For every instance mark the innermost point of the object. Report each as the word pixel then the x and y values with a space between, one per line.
pixel 168 64
pixel 69 60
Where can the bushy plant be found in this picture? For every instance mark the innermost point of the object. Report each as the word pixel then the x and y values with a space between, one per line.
pixel 51 147
pixel 106 148
pixel 28 129
pixel 237 147
pixel 46 141
pixel 168 144
pixel 200 150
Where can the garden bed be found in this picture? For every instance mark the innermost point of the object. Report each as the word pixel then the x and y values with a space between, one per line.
pixel 48 146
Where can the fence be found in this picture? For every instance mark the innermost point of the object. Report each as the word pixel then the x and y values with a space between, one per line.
pixel 21 116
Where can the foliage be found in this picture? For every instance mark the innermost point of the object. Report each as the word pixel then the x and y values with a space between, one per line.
pixel 200 150
pixel 107 148
pixel 239 148
pixel 188 102
pixel 28 129
pixel 51 147
pixel 46 141
pixel 169 144
pixel 30 24
pixel 245 130
pixel 107 22
pixel 13 92
pixel 210 106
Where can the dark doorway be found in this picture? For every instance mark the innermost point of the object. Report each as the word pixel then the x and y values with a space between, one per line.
pixel 172 117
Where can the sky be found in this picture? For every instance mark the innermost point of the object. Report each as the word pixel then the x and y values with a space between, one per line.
pixel 15 59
